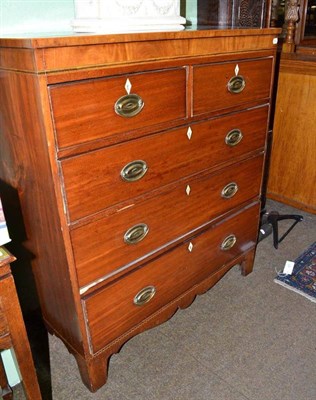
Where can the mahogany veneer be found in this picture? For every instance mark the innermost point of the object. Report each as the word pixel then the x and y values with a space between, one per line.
pixel 138 161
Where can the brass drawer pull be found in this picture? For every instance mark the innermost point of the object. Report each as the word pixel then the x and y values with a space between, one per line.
pixel 144 295
pixel 134 171
pixel 129 105
pixel 233 137
pixel 229 190
pixel 236 84
pixel 136 233
pixel 228 242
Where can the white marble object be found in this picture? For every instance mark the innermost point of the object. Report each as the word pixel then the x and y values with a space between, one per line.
pixel 119 16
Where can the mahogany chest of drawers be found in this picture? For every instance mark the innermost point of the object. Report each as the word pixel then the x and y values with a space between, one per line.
pixel 138 161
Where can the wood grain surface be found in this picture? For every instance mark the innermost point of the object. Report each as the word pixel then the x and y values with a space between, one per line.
pixel 84 111
pixel 293 164
pixel 170 155
pixel 111 311
pixel 210 84
pixel 62 151
pixel 171 215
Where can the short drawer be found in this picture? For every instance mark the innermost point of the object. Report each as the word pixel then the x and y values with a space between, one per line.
pixel 131 234
pixel 125 303
pixel 99 108
pixel 157 160
pixel 230 84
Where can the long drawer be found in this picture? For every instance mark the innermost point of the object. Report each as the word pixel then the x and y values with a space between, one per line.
pixel 224 85
pixel 125 303
pixel 93 109
pixel 131 234
pixel 141 165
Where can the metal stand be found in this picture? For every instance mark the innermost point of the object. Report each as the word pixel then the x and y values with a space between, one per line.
pixel 269 224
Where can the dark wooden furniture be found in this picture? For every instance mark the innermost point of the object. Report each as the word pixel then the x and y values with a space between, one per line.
pixel 13 333
pixel 305 34
pixel 140 174
pixel 292 173
pixel 298 19
pixel 300 27
pixel 240 13
pixel 292 168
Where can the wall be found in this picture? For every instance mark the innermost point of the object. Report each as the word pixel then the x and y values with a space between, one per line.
pixel 23 16
pixel 191 11
pixel 32 16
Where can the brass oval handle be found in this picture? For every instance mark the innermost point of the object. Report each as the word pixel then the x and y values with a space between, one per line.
pixel 228 242
pixel 134 171
pixel 144 295
pixel 136 233
pixel 233 137
pixel 229 190
pixel 236 84
pixel 129 105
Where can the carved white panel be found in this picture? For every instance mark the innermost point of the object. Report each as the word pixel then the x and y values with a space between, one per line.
pixel 127 15
pixel 87 8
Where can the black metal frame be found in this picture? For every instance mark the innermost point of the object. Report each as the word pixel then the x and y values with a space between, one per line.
pixel 269 224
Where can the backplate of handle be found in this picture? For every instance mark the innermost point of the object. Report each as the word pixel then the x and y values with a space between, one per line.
pixel 144 295
pixel 136 233
pixel 129 105
pixel 134 170
pixel 229 190
pixel 233 137
pixel 228 242
pixel 236 84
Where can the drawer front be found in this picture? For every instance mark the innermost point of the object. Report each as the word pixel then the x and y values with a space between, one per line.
pixel 166 157
pixel 101 108
pixel 231 84
pixel 113 311
pixel 136 231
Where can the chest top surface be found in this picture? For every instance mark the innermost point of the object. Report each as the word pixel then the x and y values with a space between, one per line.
pixel 52 54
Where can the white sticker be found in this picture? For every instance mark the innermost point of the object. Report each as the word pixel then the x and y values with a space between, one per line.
pixel 275 40
pixel 288 268
pixel 188 190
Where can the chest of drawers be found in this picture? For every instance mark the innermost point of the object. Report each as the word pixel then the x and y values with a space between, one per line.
pixel 138 163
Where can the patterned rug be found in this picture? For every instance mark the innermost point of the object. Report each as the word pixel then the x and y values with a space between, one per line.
pixel 303 278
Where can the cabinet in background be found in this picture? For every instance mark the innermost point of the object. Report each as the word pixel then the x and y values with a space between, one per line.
pixel 292 173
